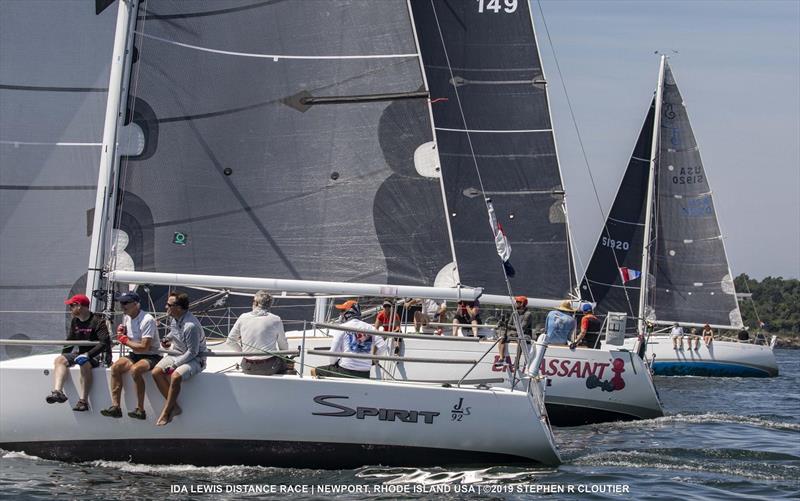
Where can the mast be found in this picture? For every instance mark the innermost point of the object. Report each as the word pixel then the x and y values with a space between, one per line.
pixel 106 192
pixel 650 194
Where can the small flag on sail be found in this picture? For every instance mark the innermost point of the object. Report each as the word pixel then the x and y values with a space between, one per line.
pixel 629 274
pixel 500 240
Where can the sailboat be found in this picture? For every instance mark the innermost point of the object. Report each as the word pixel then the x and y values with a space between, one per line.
pixel 281 140
pixel 660 258
pixel 495 142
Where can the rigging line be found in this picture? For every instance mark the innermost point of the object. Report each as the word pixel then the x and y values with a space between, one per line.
pixel 582 148
pixel 486 131
pixel 276 57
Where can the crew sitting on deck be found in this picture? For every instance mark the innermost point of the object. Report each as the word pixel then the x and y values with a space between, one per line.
pixel 85 326
pixel 467 312
pixel 693 336
pixel 186 339
pixel 259 331
pixel 708 335
pixel 677 336
pixel 139 333
pixel 352 341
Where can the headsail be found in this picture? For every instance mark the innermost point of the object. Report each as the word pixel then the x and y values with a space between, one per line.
pixel 495 140
pixel 55 59
pixel 620 242
pixel 298 148
pixel 689 276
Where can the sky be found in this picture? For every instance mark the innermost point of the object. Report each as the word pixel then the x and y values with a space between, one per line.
pixel 738 68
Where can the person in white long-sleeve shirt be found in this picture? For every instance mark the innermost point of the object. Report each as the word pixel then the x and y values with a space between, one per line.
pixel 187 339
pixel 260 331
pixel 352 341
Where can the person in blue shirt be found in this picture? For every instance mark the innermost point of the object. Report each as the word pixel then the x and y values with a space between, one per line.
pixel 560 324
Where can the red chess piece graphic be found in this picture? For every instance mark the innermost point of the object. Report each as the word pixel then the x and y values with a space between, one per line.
pixel 618 369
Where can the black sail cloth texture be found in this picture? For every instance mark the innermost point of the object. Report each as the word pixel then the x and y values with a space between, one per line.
pixel 243 174
pixel 491 117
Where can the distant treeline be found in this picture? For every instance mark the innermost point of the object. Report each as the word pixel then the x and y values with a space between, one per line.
pixel 775 301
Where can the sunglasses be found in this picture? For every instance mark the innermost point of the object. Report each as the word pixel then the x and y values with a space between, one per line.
pixel 125 303
pixel 74 304
pixel 170 305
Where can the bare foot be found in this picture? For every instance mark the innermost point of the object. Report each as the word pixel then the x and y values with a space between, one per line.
pixel 163 420
pixel 176 411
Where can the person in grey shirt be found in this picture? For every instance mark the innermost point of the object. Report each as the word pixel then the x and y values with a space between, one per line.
pixel 187 341
pixel 259 331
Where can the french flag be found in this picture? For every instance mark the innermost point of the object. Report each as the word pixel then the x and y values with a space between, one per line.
pixel 629 274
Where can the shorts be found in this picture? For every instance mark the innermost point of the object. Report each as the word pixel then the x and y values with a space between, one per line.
pixel 336 370
pixel 191 368
pixel 152 360
pixel 264 367
pixel 72 356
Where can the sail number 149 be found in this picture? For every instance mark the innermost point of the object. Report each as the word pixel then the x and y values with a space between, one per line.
pixel 508 6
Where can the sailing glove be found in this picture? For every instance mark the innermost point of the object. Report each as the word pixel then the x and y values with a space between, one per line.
pixel 81 359
pixel 123 339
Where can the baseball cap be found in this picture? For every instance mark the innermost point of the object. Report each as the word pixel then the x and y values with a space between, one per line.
pixel 387 303
pixel 128 297
pixel 78 298
pixel 346 305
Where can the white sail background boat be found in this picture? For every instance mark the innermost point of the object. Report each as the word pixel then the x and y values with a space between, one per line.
pixel 663 224
pixel 276 140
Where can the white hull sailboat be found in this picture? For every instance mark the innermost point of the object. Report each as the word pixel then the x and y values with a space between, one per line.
pixel 660 257
pixel 720 359
pixel 232 418
pixel 296 178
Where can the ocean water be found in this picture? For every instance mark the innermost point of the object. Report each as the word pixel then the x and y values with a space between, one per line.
pixel 725 439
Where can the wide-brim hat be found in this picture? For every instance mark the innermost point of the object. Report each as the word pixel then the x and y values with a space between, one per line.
pixel 566 305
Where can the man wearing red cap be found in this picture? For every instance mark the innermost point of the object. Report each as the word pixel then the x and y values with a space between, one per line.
pixel 351 341
pixel 85 326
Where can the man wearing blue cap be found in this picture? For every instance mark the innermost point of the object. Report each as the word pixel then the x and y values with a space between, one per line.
pixel 139 333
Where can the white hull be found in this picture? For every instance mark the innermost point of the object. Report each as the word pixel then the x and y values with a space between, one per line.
pixel 232 418
pixel 571 395
pixel 722 358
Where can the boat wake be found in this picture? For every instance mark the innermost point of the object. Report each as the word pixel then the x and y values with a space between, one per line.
pixel 706 418
pixel 494 475
pixel 740 463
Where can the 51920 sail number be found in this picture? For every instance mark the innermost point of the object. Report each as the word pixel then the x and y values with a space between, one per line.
pixel 615 244
pixel 508 6
pixel 689 175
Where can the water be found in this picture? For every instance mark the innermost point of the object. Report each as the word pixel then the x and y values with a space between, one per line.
pixel 721 439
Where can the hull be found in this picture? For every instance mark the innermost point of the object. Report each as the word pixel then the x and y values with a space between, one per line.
pixel 722 359
pixel 232 418
pixel 581 385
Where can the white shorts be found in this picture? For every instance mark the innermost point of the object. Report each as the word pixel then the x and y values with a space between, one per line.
pixel 187 370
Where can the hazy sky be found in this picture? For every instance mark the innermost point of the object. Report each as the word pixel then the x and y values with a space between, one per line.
pixel 738 69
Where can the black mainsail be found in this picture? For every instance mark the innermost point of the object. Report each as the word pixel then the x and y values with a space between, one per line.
pixel 282 139
pixel 54 72
pixel 688 278
pixel 495 140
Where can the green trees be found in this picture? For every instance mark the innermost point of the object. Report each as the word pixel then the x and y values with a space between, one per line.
pixel 775 301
